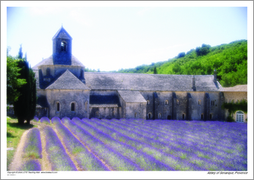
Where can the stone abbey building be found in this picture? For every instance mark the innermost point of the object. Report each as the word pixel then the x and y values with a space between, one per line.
pixel 64 89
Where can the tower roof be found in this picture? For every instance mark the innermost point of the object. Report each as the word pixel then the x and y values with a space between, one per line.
pixel 49 61
pixel 62 33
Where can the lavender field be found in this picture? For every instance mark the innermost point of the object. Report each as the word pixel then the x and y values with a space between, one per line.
pixel 139 145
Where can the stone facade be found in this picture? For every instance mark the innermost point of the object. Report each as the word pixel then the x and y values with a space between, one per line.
pixel 64 89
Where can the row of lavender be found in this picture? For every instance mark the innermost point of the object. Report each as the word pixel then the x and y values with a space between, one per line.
pixel 162 145
pixel 32 151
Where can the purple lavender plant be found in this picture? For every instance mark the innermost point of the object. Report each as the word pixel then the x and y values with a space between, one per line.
pixel 32 147
pixel 45 120
pixel 31 165
pixel 75 119
pixel 65 119
pixel 55 120
pixel 59 159
pixel 35 119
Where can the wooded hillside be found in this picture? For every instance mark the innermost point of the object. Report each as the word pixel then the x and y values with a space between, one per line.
pixel 230 61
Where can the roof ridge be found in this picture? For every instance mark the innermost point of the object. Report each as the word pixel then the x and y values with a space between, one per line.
pixel 150 74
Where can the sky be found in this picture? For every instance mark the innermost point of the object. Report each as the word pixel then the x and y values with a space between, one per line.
pixel 121 35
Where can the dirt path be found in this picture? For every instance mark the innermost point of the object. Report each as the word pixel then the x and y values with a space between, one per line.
pixel 17 159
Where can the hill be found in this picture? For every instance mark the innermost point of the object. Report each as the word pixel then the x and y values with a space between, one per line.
pixel 230 61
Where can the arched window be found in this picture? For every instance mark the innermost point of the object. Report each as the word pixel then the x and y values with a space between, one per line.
pixel 63 46
pixel 183 116
pixel 148 102
pixel 166 102
pixel 73 106
pixel 211 116
pixel 239 116
pixel 202 116
pixel 57 106
pixel 149 115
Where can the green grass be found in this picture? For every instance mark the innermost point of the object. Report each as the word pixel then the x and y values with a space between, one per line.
pixel 14 133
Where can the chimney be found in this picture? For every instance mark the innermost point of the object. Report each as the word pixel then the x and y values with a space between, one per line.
pixel 193 83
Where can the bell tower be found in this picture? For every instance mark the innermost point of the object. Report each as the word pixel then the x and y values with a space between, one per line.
pixel 62 48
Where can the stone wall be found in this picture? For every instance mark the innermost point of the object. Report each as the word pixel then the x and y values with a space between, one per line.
pixel 184 105
pixel 197 105
pixel 135 110
pixel 215 106
pixel 130 110
pixel 65 98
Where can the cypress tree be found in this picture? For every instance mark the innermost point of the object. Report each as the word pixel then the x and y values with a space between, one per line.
pixel 33 98
pixel 25 106
pixel 155 70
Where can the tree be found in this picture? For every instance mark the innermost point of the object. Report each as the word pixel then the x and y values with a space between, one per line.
pixel 155 70
pixel 204 50
pixel 177 68
pixel 182 54
pixel 25 106
pixel 13 82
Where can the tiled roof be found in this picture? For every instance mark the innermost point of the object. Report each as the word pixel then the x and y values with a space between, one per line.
pixel 49 61
pixel 68 81
pixel 131 96
pixel 149 82
pixel 237 88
